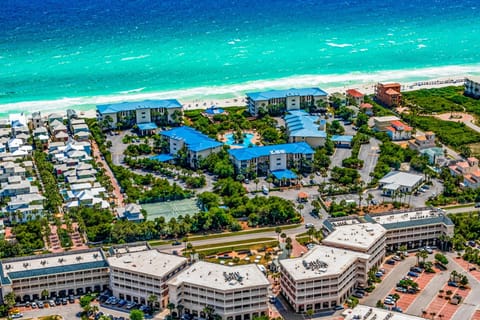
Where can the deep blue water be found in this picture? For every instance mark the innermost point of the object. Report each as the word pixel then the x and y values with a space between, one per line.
pixel 55 54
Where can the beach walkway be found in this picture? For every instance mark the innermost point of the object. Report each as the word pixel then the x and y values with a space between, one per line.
pixel 116 188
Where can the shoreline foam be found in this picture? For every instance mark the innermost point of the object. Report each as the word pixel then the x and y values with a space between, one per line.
pixel 233 95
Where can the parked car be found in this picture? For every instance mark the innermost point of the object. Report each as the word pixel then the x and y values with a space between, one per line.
pixel 477 205
pixel 378 274
pixel 388 301
pixel 397 309
pixel 34 305
pixel 176 243
pixel 452 284
pixel 51 303
pixel 396 258
pixel 357 295
pixel 428 249
pixel 411 291
pixel 16 315
pixel 416 269
pixel 401 289
pixel 412 274
pixel 309 225
pixel 390 261
pixel 40 304
pixel 64 301
pixel 338 308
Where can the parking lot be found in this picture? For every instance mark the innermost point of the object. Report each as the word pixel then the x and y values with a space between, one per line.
pixel 428 299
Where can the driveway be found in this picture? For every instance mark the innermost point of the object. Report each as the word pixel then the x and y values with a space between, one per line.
pixel 369 154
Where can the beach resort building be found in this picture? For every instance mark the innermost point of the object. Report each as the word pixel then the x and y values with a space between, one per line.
pixel 469 170
pixel 196 145
pixel 355 97
pixel 290 99
pixel 388 94
pixel 137 272
pixel 322 278
pixel 414 228
pixel 274 159
pixel 75 272
pixel 393 127
pixel 232 292
pixel 147 115
pixel 396 183
pixel 472 87
pixel 302 127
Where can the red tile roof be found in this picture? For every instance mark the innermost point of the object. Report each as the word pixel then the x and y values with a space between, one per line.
pixel 355 93
pixel 366 106
pixel 392 92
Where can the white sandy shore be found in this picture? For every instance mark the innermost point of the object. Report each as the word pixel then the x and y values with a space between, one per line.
pixel 364 88
pixel 367 88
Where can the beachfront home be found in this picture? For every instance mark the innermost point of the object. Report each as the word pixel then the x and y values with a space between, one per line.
pixel 274 159
pixel 422 141
pixel 37 120
pixel 469 170
pixel 52 117
pixel 367 108
pixel 355 97
pixel 472 87
pixel 301 127
pixel 393 127
pixel 197 145
pixel 388 94
pixel 147 115
pixel 285 100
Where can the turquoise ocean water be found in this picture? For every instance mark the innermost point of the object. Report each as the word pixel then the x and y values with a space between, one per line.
pixel 57 54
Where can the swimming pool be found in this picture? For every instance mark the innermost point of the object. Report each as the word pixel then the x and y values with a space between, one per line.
pixel 247 140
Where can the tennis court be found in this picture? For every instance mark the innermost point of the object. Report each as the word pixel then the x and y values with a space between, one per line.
pixel 171 209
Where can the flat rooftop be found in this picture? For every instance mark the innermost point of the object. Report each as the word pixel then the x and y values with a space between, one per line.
pixel 40 265
pixel 135 247
pixel 149 262
pixel 320 262
pixel 370 313
pixel 418 216
pixel 221 277
pixel 359 237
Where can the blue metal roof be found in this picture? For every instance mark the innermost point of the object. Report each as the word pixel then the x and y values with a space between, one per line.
pixel 284 174
pixel 336 138
pixel 4 279
pixel 252 153
pixel 147 104
pixel 214 110
pixel 162 157
pixel 195 141
pixel 301 124
pixel 275 94
pixel 57 270
pixel 147 126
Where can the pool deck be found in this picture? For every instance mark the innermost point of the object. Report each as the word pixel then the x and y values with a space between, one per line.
pixel 255 139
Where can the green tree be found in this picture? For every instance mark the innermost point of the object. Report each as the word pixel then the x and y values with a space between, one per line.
pixel 136 315
pixel 151 300
pixel 44 294
pixel 278 231
pixel 170 307
pixel 9 300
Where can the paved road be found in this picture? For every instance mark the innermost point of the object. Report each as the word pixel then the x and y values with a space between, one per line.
pixel 472 301
pixel 462 210
pixel 390 281
pixel 339 155
pixel 368 153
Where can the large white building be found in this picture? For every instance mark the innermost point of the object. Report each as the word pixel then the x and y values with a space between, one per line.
pixel 232 292
pixel 396 182
pixel 138 272
pixel 414 228
pixel 322 278
pixel 146 113
pixel 368 238
pixel 75 272
pixel 366 312
pixel 472 87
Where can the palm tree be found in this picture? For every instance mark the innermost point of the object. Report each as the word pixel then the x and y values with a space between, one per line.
pixel 151 300
pixel 278 231
pixel 283 235
pixel 309 313
pixel 209 310
pixel 44 293
pixel 170 307
pixel 180 310
pixel 95 309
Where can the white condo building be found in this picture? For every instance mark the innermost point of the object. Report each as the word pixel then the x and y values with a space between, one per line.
pixel 322 278
pixel 232 292
pixel 76 272
pixel 137 272
pixel 472 87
